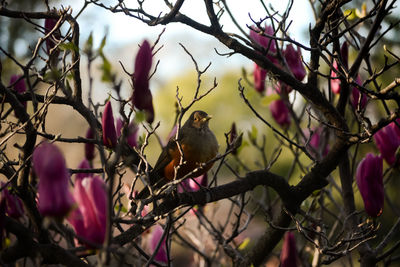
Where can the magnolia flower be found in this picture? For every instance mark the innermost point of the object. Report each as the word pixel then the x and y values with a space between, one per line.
pixel 18 83
pixel 194 184
pixel 89 147
pixel 270 46
pixel 289 252
pixel 355 95
pixel 109 133
pixel 89 219
pixel 49 25
pixel 293 59
pixel 155 237
pixel 260 75
pixel 133 131
pixel 335 81
pixel 54 198
pixel 142 98
pixel 83 165
pixel 280 113
pixel 369 179
pixel 14 206
pixel 316 142
pixel 387 140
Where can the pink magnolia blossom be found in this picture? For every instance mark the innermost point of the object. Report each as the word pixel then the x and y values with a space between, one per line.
pixel 260 75
pixel 280 113
pixel 49 25
pixel 316 142
pixel 89 147
pixel 14 206
pixel 142 98
pixel 109 133
pixel 293 59
pixel 19 86
pixel 289 255
pixel 369 179
pixel 387 140
pixel 155 237
pixel 133 131
pixel 89 219
pixel 355 95
pixel 54 198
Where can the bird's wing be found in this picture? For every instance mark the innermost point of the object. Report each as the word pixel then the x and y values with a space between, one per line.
pixel 163 160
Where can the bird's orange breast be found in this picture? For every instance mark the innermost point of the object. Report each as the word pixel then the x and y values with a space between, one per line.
pixel 192 159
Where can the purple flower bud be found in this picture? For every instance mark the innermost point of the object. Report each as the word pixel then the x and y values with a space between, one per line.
pixel 387 140
pixel 89 219
pixel 293 59
pixel 260 75
pixel 54 198
pixel 369 178
pixel 51 42
pixel 280 113
pixel 133 131
pixel 84 165
pixel 19 86
pixel 14 206
pixel 155 237
pixel 142 98
pixel 335 81
pixel 355 96
pixel 289 252
pixel 89 147
pixel 193 184
pixel 316 142
pixel 109 133
pixel 262 40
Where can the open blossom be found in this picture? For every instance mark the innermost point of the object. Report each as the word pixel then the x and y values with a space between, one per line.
pixel 89 219
pixel 369 179
pixel 293 59
pixel 109 132
pixel 289 252
pixel 54 198
pixel 142 98
pixel 280 113
pixel 387 140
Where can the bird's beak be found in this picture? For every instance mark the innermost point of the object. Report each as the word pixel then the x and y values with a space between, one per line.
pixel 206 118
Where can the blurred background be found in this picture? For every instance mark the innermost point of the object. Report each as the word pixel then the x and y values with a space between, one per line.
pixel 175 70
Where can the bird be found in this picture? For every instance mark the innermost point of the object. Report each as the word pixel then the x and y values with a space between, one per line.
pixel 198 145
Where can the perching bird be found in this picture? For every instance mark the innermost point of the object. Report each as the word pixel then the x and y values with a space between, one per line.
pixel 199 145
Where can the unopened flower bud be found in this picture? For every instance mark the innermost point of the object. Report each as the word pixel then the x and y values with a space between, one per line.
pixel 369 179
pixel 54 198
pixel 109 132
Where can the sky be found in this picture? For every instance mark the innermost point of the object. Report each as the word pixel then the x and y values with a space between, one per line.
pixel 124 31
